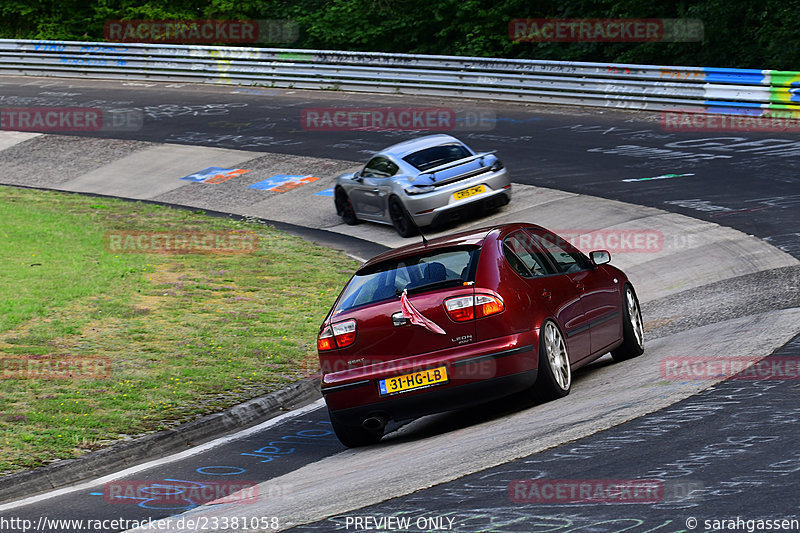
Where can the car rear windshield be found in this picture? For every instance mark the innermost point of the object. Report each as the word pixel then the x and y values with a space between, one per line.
pixel 437 155
pixel 419 273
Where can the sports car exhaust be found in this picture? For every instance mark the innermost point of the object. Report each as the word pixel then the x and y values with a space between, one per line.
pixel 375 423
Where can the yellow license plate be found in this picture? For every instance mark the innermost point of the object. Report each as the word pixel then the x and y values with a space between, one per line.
pixel 416 380
pixel 472 191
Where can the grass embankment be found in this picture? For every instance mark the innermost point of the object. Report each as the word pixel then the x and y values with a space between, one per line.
pixel 184 334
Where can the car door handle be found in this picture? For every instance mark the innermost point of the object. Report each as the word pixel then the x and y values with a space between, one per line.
pixel 547 295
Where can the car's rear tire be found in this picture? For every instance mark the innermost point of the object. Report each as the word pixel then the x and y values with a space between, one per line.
pixel 401 220
pixel 344 207
pixel 632 328
pixel 354 436
pixel 555 375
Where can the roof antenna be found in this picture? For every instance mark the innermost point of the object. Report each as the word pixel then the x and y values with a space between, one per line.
pixel 424 240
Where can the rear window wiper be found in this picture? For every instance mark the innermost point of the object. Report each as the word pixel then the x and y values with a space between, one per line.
pixel 431 286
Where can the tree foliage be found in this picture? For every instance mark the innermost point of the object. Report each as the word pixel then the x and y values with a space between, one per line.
pixel 738 33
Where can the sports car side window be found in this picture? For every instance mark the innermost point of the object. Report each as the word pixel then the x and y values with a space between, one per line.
pixel 379 167
pixel 569 258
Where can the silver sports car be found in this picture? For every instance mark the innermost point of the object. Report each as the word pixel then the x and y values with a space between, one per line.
pixel 427 181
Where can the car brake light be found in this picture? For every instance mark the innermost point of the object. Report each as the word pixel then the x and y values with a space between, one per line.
pixel 325 340
pixel 460 309
pixel 486 305
pixel 339 335
pixel 463 308
pixel 344 333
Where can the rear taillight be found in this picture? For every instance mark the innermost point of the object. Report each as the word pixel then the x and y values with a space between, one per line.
pixel 486 305
pixel 344 333
pixel 325 340
pixel 338 335
pixel 463 308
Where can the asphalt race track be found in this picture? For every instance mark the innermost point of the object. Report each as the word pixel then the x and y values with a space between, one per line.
pixel 748 181
pixel 714 452
pixel 719 451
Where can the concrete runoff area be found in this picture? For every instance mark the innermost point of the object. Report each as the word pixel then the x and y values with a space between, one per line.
pixel 10 138
pixel 693 254
pixel 156 170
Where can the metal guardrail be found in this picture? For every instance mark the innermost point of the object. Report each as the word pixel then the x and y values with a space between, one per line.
pixel 739 91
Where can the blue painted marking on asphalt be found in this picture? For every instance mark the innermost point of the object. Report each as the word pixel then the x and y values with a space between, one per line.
pixel 275 449
pixel 204 470
pixel 157 496
pixel 152 496
pixel 326 192
pixel 275 180
pixel 210 172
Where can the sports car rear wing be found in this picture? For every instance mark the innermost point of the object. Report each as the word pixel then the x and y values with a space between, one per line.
pixel 457 162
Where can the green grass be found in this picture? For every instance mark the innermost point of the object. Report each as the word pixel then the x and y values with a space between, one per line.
pixel 185 334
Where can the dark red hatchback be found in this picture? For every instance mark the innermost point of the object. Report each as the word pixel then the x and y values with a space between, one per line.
pixel 468 318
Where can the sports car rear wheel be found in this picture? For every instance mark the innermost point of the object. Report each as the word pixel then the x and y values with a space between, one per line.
pixel 354 436
pixel 344 207
pixel 401 220
pixel 555 377
pixel 632 328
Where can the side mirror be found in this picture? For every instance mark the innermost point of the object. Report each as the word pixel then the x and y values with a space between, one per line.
pixel 600 257
pixel 357 176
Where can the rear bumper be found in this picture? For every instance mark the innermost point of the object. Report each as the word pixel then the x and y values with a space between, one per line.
pixel 441 205
pixel 440 400
pixel 477 373
pixel 453 213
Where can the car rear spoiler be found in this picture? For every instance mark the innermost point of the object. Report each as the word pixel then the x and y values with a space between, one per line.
pixel 457 162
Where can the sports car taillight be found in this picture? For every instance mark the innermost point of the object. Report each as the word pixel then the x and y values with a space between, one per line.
pixel 463 308
pixel 338 335
pixel 420 189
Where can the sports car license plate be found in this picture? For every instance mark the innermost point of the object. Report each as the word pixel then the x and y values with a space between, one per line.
pixel 416 380
pixel 472 191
